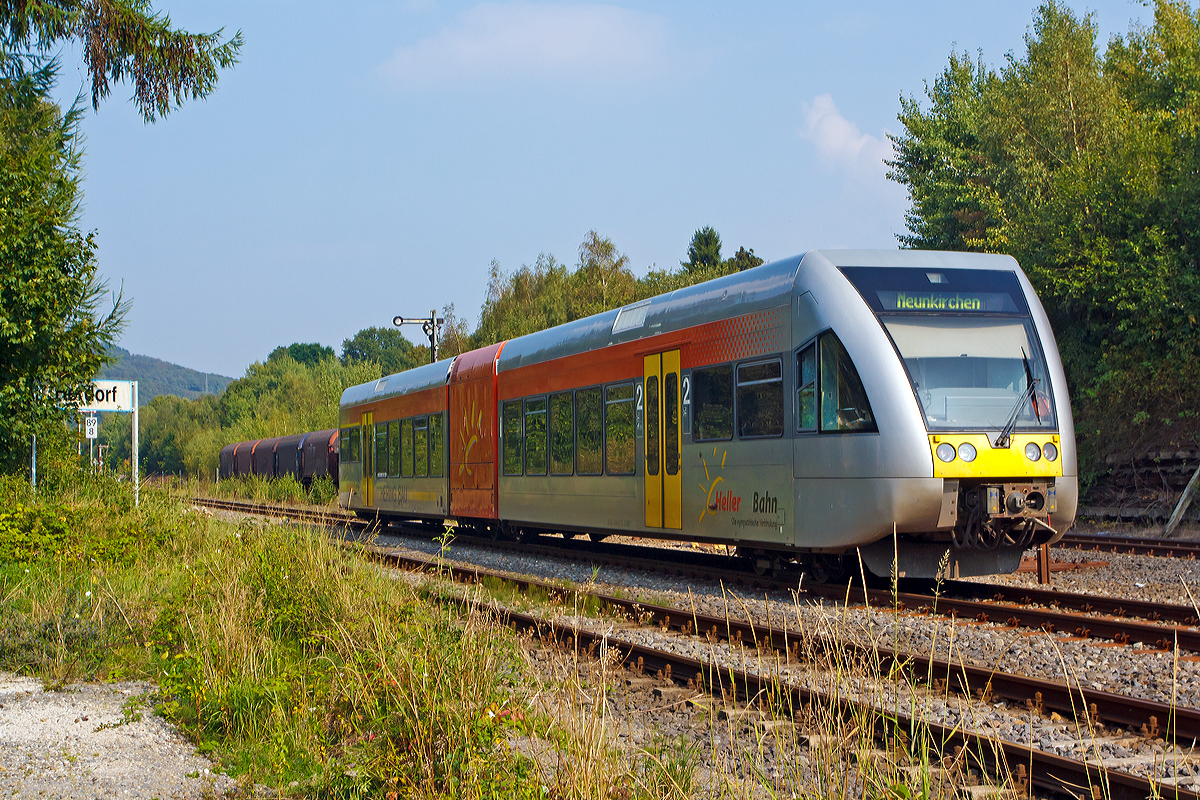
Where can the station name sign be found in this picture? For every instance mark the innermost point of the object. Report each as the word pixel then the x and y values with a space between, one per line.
pixel 108 396
pixel 995 302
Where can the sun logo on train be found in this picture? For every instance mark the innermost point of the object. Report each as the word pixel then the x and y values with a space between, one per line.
pixel 473 425
pixel 710 507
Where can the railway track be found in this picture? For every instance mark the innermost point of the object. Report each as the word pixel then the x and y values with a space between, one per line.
pixel 1087 706
pixel 1127 621
pixel 1131 545
pixel 1043 769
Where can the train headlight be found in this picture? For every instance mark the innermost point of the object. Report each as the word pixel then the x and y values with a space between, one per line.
pixel 945 451
pixel 1050 451
pixel 966 451
pixel 1032 451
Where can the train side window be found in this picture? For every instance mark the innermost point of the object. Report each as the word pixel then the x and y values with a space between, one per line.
pixel 760 399
pixel 393 462
pixel 535 436
pixel 671 423
pixel 562 433
pixel 355 440
pixel 712 403
pixel 435 446
pixel 806 388
pixel 511 422
pixel 381 451
pixel 844 405
pixel 421 446
pixel 406 448
pixel 618 429
pixel 344 452
pixel 589 444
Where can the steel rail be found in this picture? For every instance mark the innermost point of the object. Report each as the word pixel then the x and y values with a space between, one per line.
pixel 1014 613
pixel 1130 545
pixel 1044 769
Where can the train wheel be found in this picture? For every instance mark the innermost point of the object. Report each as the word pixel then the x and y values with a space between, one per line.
pixel 826 568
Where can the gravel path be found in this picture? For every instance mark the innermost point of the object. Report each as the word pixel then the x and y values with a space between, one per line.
pixel 95 741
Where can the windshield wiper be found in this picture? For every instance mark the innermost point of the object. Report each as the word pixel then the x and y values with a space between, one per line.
pixel 1003 440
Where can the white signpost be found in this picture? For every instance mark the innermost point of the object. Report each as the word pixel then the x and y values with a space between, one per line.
pixel 119 396
pixel 91 426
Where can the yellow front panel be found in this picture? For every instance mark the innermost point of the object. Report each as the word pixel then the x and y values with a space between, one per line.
pixel 368 459
pixel 996 462
pixel 653 440
pixel 672 445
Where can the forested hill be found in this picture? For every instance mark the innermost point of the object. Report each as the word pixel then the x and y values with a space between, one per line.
pixel 155 377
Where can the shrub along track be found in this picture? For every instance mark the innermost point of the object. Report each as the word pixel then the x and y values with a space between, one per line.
pixel 1047 770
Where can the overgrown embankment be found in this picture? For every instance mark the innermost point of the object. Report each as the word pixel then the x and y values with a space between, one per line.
pixel 280 653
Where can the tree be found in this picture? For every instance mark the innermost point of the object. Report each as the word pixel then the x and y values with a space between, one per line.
pixel 742 260
pixel 386 347
pixel 309 354
pixel 122 39
pixel 704 252
pixel 53 336
pixel 603 279
pixel 1085 168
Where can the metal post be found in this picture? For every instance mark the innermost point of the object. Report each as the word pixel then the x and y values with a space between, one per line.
pixel 33 463
pixel 136 487
pixel 430 325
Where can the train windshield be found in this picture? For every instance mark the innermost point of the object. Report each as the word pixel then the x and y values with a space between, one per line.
pixel 968 344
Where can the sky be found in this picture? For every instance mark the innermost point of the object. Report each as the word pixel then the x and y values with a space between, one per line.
pixel 368 160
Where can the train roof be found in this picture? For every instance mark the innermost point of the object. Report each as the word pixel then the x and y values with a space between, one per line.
pixel 945 259
pixel 762 287
pixel 765 286
pixel 407 382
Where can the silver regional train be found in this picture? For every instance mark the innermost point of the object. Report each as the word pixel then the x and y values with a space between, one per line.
pixel 901 405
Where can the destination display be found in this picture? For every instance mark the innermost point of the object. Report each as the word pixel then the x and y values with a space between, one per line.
pixel 994 302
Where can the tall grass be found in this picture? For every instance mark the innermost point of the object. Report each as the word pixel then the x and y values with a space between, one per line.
pixel 285 656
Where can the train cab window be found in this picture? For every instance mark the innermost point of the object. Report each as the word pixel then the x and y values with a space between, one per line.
pixel 381 449
pixel 406 448
pixel 806 388
pixel 421 446
pixel 618 429
pixel 535 436
pixel 393 459
pixel 435 446
pixel 562 433
pixel 844 405
pixel 589 444
pixel 712 403
pixel 511 431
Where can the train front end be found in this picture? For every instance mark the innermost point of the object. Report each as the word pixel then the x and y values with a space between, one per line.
pixel 981 363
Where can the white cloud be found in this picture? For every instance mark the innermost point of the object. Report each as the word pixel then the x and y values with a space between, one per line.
pixel 839 141
pixel 501 40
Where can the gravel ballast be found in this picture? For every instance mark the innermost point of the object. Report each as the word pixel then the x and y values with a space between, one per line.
pixel 93 741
